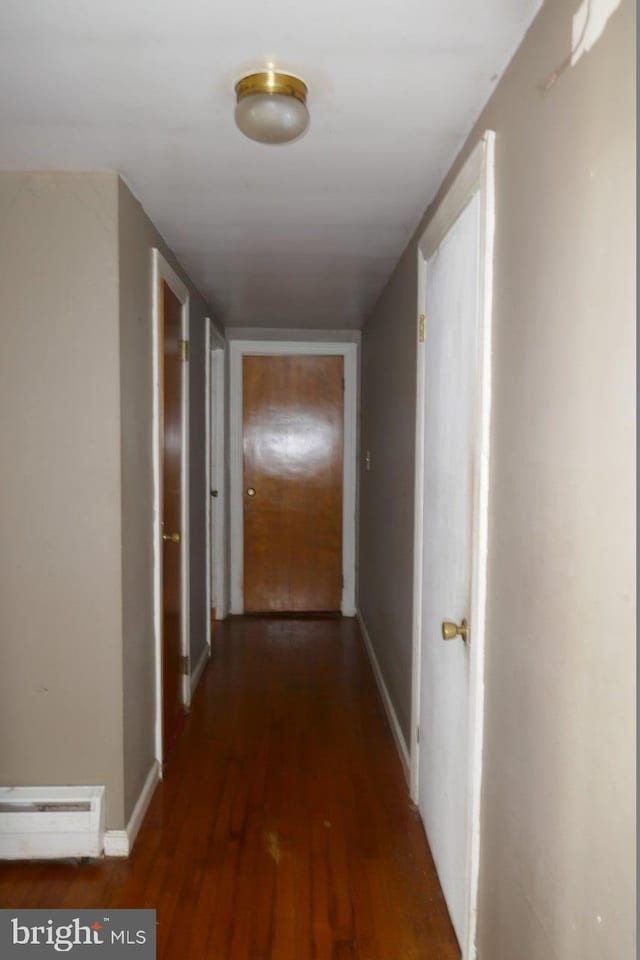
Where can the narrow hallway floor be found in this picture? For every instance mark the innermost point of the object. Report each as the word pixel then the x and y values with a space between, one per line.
pixel 283 828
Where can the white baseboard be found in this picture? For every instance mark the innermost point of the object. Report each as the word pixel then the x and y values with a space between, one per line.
pixel 403 753
pixel 199 670
pixel 119 843
pixel 221 611
pixel 116 843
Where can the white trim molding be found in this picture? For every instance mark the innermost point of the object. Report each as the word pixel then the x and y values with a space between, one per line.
pixel 208 483
pixel 220 545
pixel 119 843
pixel 392 717
pixel 161 270
pixel 216 469
pixel 476 176
pixel 116 843
pixel 198 670
pixel 237 350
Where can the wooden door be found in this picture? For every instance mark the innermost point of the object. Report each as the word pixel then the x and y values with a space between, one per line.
pixel 450 377
pixel 172 445
pixel 293 440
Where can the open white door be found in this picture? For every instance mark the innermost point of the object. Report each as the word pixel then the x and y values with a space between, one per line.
pixel 451 511
pixel 450 360
pixel 216 494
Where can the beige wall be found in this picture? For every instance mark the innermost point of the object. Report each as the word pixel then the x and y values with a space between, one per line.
pixel 137 237
pixel 558 817
pixel 60 567
pixel 77 679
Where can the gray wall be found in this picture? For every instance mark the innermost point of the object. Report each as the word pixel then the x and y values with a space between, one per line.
pixel 60 566
pixel 558 816
pixel 137 237
pixel 387 431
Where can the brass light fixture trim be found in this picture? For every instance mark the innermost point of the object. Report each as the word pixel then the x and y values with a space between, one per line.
pixel 270 81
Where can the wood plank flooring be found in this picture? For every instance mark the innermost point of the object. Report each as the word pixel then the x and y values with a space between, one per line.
pixel 283 829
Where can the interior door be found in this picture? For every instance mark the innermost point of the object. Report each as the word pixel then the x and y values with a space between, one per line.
pixel 293 447
pixel 451 364
pixel 172 444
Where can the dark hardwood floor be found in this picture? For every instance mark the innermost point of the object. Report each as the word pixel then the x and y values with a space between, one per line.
pixel 283 829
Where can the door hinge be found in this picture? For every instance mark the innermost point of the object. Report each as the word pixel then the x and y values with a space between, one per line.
pixel 183 667
pixel 417 734
pixel 343 384
pixel 184 349
pixel 421 328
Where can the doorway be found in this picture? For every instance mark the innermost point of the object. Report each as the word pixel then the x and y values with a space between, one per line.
pixel 293 522
pixel 171 500
pixel 452 478
pixel 216 600
pixel 292 439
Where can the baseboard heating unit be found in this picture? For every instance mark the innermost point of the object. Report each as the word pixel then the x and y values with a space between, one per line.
pixel 51 822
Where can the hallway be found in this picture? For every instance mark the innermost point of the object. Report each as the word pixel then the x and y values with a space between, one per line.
pixel 283 828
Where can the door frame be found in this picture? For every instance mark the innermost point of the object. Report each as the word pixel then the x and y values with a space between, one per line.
pixel 237 350
pixel 476 175
pixel 162 270
pixel 214 405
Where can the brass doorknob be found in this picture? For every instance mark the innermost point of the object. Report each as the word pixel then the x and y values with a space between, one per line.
pixel 451 630
pixel 171 537
pixel 251 492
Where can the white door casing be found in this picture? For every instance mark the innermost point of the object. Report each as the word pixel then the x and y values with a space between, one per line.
pixel 162 270
pixel 452 475
pixel 212 492
pixel 237 349
pixel 208 407
pixel 216 471
pixel 219 540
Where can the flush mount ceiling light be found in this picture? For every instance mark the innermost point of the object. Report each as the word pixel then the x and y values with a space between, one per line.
pixel 271 107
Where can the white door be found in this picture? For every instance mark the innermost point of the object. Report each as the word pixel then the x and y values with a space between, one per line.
pixel 450 390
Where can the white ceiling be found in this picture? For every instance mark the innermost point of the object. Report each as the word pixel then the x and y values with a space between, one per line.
pixel 301 235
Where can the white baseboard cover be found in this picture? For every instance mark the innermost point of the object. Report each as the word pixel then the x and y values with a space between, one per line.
pixel 199 670
pixel 386 699
pixel 119 843
pixel 51 822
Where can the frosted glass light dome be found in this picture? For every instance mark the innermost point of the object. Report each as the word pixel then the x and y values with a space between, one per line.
pixel 271 107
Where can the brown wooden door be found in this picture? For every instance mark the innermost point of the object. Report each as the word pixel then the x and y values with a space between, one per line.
pixel 293 429
pixel 172 443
